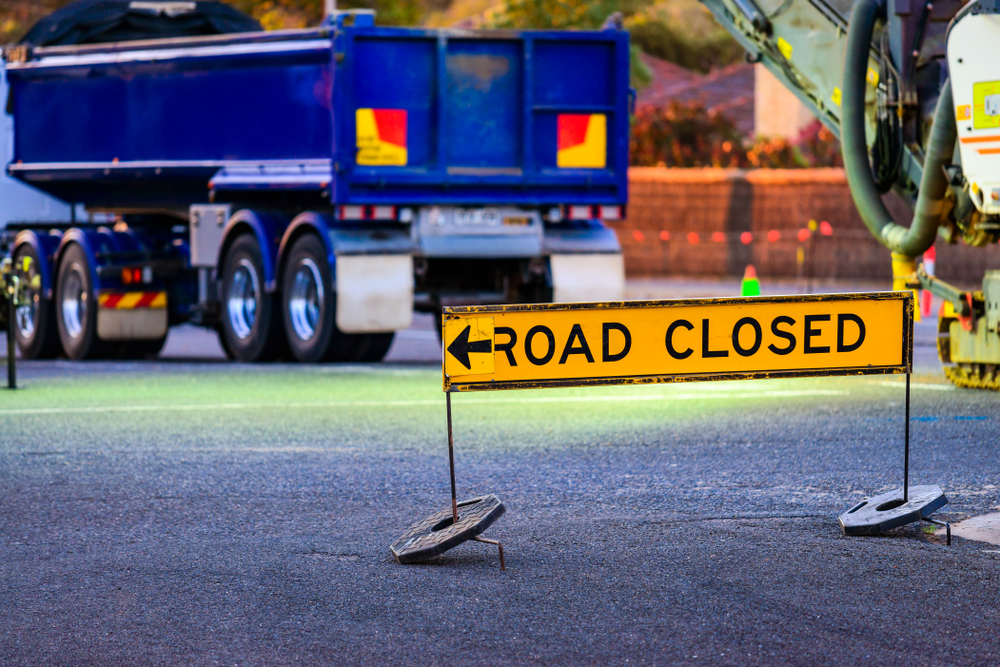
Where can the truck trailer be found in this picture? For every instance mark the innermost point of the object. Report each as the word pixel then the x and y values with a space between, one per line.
pixel 304 192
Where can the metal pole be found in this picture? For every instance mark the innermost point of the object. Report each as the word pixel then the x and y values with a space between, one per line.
pixel 11 366
pixel 451 462
pixel 906 445
pixel 330 7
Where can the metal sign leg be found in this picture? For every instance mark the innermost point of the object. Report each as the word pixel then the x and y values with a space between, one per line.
pixel 503 565
pixel 451 462
pixel 439 532
pixel 906 445
pixel 879 514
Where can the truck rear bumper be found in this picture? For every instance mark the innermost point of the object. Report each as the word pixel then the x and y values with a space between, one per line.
pixel 488 232
pixel 132 316
pixel 486 247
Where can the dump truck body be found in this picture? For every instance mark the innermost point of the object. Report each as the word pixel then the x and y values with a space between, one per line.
pixel 520 118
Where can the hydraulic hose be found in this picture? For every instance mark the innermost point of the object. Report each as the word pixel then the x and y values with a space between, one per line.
pixel 933 184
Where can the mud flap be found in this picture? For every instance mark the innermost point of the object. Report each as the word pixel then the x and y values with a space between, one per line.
pixel 137 324
pixel 374 293
pixel 590 277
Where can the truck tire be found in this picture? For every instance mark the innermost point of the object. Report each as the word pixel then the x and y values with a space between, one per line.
pixel 372 348
pixel 223 343
pixel 35 321
pixel 309 305
pixel 251 319
pixel 76 306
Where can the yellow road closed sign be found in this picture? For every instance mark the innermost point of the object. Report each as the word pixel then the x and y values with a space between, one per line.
pixel 523 346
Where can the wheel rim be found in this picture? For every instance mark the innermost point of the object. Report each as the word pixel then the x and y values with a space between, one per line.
pixel 27 316
pixel 74 302
pixel 305 305
pixel 243 298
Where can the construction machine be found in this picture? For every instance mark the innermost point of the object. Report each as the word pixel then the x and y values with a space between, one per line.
pixel 911 89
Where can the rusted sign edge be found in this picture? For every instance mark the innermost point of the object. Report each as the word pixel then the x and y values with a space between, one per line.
pixel 456 386
pixel 908 331
pixel 904 295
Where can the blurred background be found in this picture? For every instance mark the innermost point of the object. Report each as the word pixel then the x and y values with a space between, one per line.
pixel 729 168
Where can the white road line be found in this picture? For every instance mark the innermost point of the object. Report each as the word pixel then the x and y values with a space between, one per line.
pixel 438 402
pixel 917 385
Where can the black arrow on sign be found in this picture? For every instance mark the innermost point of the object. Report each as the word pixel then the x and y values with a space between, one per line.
pixel 461 347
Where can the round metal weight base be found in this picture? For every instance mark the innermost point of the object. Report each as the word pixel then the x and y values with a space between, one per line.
pixel 438 533
pixel 880 514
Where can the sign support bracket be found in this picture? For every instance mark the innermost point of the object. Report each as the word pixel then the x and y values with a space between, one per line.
pixel 451 462
pixel 906 445
pixel 454 493
pixel 880 514
pixel 447 529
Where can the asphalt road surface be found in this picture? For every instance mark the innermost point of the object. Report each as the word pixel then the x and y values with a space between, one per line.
pixel 199 512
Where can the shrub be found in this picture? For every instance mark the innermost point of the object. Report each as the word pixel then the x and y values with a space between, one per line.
pixel 687 135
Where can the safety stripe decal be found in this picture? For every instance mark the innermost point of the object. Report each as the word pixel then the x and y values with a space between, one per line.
pixel 381 137
pixel 132 300
pixel 582 141
pixel 977 140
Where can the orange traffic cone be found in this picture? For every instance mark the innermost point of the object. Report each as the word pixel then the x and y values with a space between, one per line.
pixel 750 285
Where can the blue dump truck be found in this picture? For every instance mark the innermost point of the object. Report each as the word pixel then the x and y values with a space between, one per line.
pixel 304 192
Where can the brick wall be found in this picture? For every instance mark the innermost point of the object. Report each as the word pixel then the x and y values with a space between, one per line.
pixel 693 222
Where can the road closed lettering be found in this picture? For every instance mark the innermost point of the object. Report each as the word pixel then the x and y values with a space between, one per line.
pixel 498 346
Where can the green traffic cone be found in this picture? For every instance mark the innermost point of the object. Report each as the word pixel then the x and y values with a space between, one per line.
pixel 750 285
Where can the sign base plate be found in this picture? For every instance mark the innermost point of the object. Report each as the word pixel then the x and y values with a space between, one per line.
pixel 438 533
pixel 880 514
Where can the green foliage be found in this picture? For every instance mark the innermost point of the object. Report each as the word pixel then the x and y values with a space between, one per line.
pixel 819 147
pixel 815 147
pixel 701 54
pixel 284 14
pixel 639 75
pixel 687 135
pixel 572 14
pixel 558 14
pixel 775 153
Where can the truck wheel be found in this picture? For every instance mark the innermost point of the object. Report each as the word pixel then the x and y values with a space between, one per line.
pixel 251 323
pixel 35 318
pixel 372 348
pixel 76 306
pixel 223 343
pixel 309 311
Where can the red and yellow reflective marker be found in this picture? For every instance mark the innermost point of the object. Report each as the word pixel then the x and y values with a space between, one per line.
pixel 381 137
pixel 132 300
pixel 641 342
pixel 582 141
